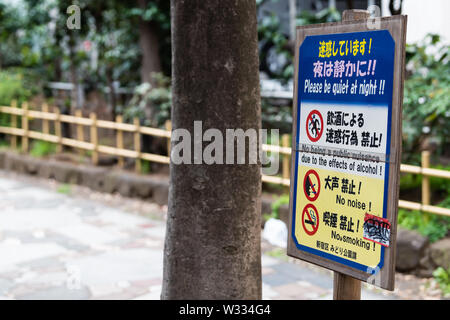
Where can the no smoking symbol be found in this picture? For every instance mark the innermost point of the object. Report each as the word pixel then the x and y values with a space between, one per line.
pixel 314 125
pixel 310 219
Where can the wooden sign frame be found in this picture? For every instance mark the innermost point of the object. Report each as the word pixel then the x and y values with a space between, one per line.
pixel 396 25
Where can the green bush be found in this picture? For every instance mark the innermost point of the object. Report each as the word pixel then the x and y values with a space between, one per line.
pixel 411 181
pixel 284 199
pixel 442 277
pixel 159 97
pixel 16 84
pixel 433 226
pixel 440 184
pixel 42 148
pixel 323 16
pixel 426 102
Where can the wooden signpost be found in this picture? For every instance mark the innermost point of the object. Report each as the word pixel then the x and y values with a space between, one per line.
pixel 346 149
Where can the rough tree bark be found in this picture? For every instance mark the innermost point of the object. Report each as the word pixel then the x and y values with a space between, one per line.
pixel 212 248
pixel 148 40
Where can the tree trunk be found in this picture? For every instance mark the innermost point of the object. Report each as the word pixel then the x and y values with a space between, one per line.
pixel 148 40
pixel 112 91
pixel 73 73
pixel 213 248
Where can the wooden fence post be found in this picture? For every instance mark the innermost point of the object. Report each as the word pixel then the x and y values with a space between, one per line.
pixel 94 138
pixel 119 140
pixel 14 125
pixel 168 126
pixel 137 144
pixel 285 142
pixel 425 163
pixel 58 130
pixel 45 124
pixel 80 130
pixel 25 127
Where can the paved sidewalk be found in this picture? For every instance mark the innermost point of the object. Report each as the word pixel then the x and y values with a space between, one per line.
pixel 59 246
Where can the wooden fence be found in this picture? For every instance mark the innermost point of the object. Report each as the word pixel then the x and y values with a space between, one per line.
pixel 137 130
pixel 80 143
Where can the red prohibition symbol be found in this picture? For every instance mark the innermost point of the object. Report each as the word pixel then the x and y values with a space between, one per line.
pixel 310 217
pixel 314 125
pixel 311 185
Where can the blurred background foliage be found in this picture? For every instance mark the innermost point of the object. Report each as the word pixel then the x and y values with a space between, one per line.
pixel 426 104
pixel 117 39
pixel 109 52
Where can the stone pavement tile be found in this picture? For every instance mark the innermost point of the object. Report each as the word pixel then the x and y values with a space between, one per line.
pixel 5 285
pixel 120 265
pixel 267 261
pixel 276 279
pixel 30 219
pixel 158 232
pixel 142 243
pixel 21 289
pixel 88 235
pixel 13 254
pixel 57 293
pixel 147 283
pixel 119 218
pixel 12 273
pixel 299 273
pixel 156 290
pixel 149 296
pixel 137 291
pixel 66 242
pixel 41 236
pixel 97 222
pixel 290 289
pixel 103 290
pixel 85 209
pixel 136 243
pixel 50 279
pixel 21 236
pixel 298 291
pixel 131 233
pixel 35 197
pixel 37 203
pixel 10 185
pixel 369 295
pixel 328 296
pixel 46 263
pixel 268 293
pixel 26 277
pixel 121 295
pixel 73 255
pixel 266 271
pixel 283 297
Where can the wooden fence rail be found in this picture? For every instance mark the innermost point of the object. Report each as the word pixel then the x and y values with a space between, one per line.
pixel 137 130
pixel 79 143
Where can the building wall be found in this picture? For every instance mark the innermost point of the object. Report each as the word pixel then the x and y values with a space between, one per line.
pixel 427 17
pixel 281 8
pixel 423 16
